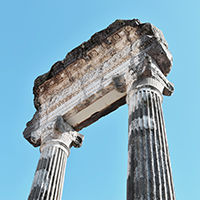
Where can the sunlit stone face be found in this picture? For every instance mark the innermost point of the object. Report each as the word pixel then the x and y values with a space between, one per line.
pixel 81 88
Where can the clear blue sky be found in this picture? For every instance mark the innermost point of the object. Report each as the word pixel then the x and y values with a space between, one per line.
pixel 36 34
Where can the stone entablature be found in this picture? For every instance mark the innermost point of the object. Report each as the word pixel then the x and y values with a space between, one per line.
pixel 82 87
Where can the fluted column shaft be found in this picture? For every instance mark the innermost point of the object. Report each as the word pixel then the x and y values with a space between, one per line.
pixel 149 170
pixel 49 176
pixel 57 137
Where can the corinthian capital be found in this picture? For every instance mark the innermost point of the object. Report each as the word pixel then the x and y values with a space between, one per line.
pixel 58 133
pixel 58 129
pixel 144 71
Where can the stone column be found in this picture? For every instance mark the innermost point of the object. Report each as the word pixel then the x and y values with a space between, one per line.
pixel 56 140
pixel 149 171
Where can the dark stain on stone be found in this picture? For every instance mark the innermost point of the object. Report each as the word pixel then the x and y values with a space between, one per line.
pixel 132 116
pixel 34 193
pixel 42 164
pixel 51 169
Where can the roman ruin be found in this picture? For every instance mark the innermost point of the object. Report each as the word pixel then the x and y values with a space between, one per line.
pixel 127 62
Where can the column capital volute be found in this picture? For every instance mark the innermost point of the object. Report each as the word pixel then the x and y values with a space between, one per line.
pixel 144 72
pixel 60 133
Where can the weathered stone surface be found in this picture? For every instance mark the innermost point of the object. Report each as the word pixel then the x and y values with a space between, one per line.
pixel 126 62
pixel 57 137
pixel 81 88
pixel 149 170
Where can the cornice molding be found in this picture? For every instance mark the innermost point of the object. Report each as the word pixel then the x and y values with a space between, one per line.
pixel 91 80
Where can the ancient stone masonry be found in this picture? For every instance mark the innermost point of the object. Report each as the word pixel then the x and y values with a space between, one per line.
pixel 149 170
pixel 57 139
pixel 125 63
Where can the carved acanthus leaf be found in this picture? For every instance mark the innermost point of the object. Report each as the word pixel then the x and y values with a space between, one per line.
pixel 57 129
pixel 144 66
pixel 60 130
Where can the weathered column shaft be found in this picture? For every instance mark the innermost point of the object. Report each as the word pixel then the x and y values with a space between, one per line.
pixel 57 137
pixel 149 170
pixel 49 175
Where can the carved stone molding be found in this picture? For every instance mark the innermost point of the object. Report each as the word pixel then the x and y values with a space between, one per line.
pixel 60 133
pixel 57 137
pixel 144 72
pixel 91 81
